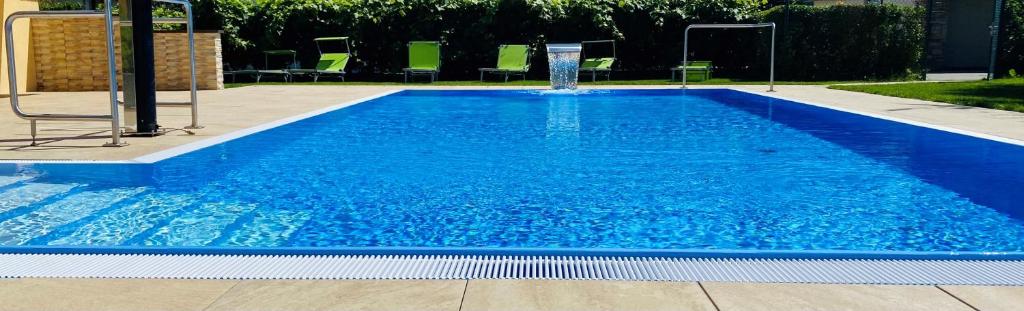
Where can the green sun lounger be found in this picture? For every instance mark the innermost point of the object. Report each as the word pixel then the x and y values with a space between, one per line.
pixel 597 65
pixel 512 60
pixel 424 59
pixel 700 70
pixel 267 55
pixel 329 63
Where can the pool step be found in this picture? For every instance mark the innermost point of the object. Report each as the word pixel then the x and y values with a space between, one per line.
pixel 41 220
pixel 119 225
pixel 29 193
pixel 200 225
pixel 450 267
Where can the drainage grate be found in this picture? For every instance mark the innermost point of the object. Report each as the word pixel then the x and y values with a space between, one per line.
pixel 859 271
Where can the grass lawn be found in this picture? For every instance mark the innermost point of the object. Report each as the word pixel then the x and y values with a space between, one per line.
pixel 716 81
pixel 1005 94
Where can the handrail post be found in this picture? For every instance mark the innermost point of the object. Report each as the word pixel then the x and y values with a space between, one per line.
pixel 115 114
pixel 192 65
pixel 771 70
pixel 13 77
pixel 686 46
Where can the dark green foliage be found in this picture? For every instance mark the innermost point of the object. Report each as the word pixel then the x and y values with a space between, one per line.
pixel 838 43
pixel 1011 39
pixel 649 32
pixel 873 42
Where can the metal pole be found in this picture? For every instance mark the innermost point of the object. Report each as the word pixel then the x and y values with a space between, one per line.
pixel 192 66
pixel 115 117
pixel 13 83
pixel 686 46
pixel 141 51
pixel 686 41
pixel 995 40
pixel 771 70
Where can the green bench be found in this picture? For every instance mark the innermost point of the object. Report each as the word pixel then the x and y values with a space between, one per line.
pixel 698 70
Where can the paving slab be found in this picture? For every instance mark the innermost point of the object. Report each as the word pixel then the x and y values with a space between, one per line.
pixel 583 295
pixel 343 295
pixel 109 294
pixel 990 298
pixel 761 296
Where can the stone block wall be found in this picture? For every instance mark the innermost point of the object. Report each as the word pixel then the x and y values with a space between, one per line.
pixel 70 55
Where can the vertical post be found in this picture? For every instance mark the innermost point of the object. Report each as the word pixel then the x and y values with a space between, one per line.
pixel 686 45
pixel 115 118
pixel 995 39
pixel 771 68
pixel 192 65
pixel 145 76
pixel 925 57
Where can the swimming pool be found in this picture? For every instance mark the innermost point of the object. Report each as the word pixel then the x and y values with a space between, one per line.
pixel 711 170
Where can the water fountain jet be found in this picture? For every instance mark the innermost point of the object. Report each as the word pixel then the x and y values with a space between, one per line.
pixel 564 65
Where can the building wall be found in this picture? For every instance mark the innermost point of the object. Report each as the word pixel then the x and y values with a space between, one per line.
pixel 70 55
pixel 959 37
pixel 22 53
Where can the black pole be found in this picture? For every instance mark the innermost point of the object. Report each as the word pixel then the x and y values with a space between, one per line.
pixel 926 46
pixel 145 78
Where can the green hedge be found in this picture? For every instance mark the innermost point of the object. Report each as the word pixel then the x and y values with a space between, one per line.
pixel 873 42
pixel 649 31
pixel 1011 39
pixel 832 43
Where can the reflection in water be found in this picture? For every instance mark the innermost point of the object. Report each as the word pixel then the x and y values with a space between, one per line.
pixel 563 119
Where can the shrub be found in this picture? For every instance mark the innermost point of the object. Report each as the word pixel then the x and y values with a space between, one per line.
pixel 1011 39
pixel 649 31
pixel 831 43
pixel 871 42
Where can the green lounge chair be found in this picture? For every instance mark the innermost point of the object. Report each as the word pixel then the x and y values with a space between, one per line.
pixel 512 60
pixel 597 65
pixel 424 59
pixel 701 69
pixel 329 63
pixel 259 73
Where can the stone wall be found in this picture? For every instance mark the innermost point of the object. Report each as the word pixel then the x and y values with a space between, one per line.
pixel 70 55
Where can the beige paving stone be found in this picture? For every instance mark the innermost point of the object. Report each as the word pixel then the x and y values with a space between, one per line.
pixel 343 295
pixel 760 296
pixel 583 295
pixel 109 294
pixel 990 298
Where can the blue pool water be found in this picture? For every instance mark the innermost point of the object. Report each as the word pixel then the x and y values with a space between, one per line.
pixel 634 169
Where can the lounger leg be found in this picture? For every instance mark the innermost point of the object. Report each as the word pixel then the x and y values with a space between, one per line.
pixel 481 76
pixel 258 76
pixel 506 77
pixel 593 76
pixel 406 77
pixel 32 126
pixel 673 76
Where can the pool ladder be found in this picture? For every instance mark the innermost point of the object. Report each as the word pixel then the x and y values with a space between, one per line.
pixel 108 17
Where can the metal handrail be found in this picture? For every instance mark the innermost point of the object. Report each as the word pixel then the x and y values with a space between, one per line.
pixel 191 56
pixel 12 72
pixel 114 116
pixel 686 41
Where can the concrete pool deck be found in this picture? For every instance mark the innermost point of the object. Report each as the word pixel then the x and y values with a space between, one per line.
pixel 455 295
pixel 230 110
